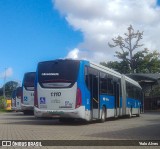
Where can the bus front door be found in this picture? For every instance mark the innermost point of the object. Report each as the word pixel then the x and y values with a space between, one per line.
pixel 94 88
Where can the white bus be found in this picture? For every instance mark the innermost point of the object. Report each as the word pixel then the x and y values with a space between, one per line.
pixel 16 99
pixel 79 89
pixel 28 93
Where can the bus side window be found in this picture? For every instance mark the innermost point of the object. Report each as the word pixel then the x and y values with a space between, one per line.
pixel 131 90
pixel 103 83
pixel 110 85
pixel 128 90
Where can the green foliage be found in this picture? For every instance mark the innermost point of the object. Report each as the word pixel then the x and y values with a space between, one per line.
pixel 146 62
pixel 155 92
pixel 9 87
pixel 138 62
pixel 142 62
pixel 121 67
pixel 2 103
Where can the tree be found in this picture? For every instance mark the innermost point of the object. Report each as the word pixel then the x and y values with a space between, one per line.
pixel 128 44
pixel 1 91
pixel 9 87
pixel 147 62
pixel 155 92
pixel 143 62
pixel 2 102
pixel 121 67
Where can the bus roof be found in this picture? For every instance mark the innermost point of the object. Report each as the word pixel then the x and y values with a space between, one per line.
pixel 132 81
pixel 105 69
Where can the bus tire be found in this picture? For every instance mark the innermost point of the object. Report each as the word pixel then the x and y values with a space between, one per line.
pixel 25 112
pixel 103 115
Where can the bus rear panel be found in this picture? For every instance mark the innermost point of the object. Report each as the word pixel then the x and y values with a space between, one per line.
pixel 18 99
pixel 28 92
pixel 57 93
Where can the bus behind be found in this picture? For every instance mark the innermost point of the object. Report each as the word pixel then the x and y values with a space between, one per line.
pixel 16 99
pixel 28 92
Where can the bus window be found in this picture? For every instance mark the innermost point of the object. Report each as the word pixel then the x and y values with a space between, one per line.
pixel 58 74
pixel 103 83
pixel 29 81
pixel 110 85
pixel 28 92
pixel 19 92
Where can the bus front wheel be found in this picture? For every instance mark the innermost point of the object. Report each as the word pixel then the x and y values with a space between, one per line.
pixel 103 115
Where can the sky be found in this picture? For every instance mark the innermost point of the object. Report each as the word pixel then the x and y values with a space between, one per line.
pixel 38 30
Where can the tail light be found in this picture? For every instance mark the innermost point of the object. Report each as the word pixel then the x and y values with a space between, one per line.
pixel 78 98
pixel 35 98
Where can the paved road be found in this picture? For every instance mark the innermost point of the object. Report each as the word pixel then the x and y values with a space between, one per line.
pixel 16 126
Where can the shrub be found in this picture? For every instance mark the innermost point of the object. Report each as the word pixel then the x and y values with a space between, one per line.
pixel 2 103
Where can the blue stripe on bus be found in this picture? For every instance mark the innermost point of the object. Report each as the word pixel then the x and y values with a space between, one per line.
pixel 82 85
pixel 108 101
pixel 134 103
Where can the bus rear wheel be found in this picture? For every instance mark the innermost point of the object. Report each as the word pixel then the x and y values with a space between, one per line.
pixel 28 112
pixel 103 115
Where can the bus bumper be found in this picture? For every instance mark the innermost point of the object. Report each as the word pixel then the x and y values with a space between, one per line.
pixel 27 107
pixel 13 108
pixel 78 113
pixel 18 109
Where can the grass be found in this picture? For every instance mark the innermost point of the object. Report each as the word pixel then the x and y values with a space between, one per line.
pixel 3 110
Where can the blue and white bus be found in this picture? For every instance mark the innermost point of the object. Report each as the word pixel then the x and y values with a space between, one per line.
pixel 79 89
pixel 28 92
pixel 16 99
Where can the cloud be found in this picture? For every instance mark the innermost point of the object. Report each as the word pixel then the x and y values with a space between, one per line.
pixel 7 73
pixel 73 54
pixel 101 20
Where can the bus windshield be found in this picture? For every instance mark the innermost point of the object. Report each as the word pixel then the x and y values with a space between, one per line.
pixel 58 73
pixel 29 81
